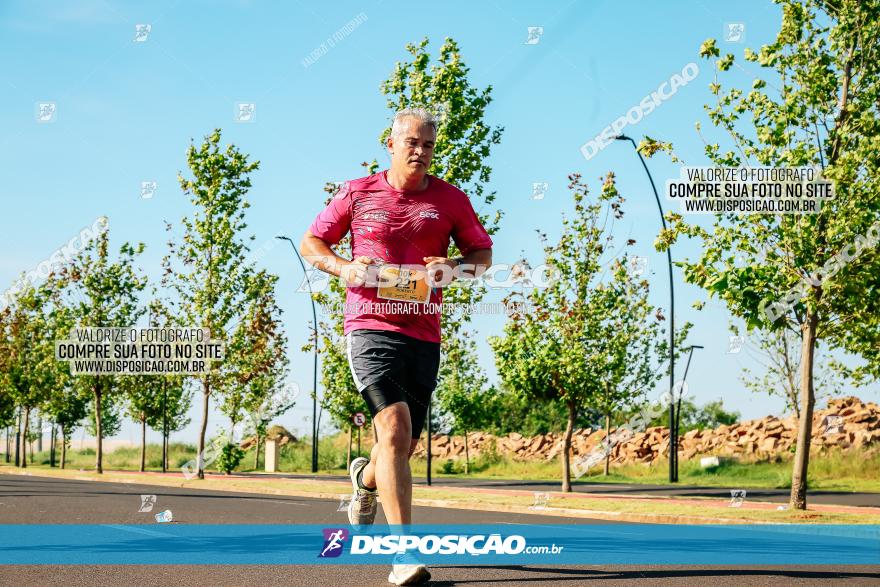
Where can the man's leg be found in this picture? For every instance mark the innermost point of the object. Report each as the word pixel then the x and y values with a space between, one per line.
pixel 369 474
pixel 389 462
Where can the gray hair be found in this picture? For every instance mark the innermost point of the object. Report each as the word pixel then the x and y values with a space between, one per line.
pixel 423 115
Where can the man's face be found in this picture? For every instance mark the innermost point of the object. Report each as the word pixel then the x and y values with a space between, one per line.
pixel 413 149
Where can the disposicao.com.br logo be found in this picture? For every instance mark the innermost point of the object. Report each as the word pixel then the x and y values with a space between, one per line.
pixel 446 544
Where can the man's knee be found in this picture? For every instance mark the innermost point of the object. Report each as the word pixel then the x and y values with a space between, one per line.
pixel 395 432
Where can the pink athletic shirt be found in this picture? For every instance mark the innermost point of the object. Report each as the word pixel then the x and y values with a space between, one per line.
pixel 398 227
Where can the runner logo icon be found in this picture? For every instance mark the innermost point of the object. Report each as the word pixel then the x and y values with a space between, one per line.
pixel 333 539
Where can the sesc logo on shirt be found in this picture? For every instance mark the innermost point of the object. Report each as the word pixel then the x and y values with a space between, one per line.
pixel 377 216
pixel 429 214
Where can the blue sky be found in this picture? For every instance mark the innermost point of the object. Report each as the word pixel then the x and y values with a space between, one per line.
pixel 126 112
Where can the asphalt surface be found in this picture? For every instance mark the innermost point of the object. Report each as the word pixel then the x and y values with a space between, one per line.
pixel 861 499
pixel 32 500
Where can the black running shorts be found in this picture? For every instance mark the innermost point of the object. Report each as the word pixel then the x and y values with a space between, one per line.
pixel 390 367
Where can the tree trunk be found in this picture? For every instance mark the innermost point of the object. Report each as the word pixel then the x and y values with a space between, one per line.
pixel 798 499
pixel 98 431
pixel 206 392
pixel 257 453
pixel 566 448
pixel 143 442
pixel 608 444
pixel 164 451
pixel 7 444
pixel 164 426
pixel 63 447
pixel 24 435
pixel 40 437
pixel 348 452
pixel 467 456
pixel 52 446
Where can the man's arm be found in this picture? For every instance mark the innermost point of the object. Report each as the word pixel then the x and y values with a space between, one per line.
pixel 472 265
pixel 319 254
pixel 475 263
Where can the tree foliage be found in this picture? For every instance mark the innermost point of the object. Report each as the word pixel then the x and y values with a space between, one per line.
pixel 206 267
pixel 592 337
pixel 814 103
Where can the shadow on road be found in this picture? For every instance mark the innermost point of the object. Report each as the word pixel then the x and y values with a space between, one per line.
pixel 561 574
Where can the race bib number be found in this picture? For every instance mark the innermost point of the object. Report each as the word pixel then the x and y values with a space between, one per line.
pixel 403 285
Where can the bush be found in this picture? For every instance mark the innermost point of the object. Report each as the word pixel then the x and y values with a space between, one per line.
pixel 449 467
pixel 230 458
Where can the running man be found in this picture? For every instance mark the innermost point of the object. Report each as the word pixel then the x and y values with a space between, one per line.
pixel 401 216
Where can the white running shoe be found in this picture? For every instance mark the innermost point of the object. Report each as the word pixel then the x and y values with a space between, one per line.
pixel 363 505
pixel 409 574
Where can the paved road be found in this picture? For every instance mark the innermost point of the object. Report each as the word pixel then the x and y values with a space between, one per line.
pixel 27 500
pixel 769 495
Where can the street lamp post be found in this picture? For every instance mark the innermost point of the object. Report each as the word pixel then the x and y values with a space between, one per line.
pixel 673 441
pixel 680 393
pixel 17 437
pixel 164 425
pixel 315 365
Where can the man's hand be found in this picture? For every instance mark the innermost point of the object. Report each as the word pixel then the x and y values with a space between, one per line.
pixel 438 276
pixel 355 273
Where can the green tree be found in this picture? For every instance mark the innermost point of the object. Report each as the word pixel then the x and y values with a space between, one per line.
pixel 210 275
pixel 143 403
pixel 173 394
pixel 7 401
pixel 814 102
pixel 104 294
pixel 257 361
pixel 623 341
pixel 461 391
pixel 142 398
pixel 64 406
pixel 561 350
pixel 28 356
pixel 7 405
pixel 67 407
